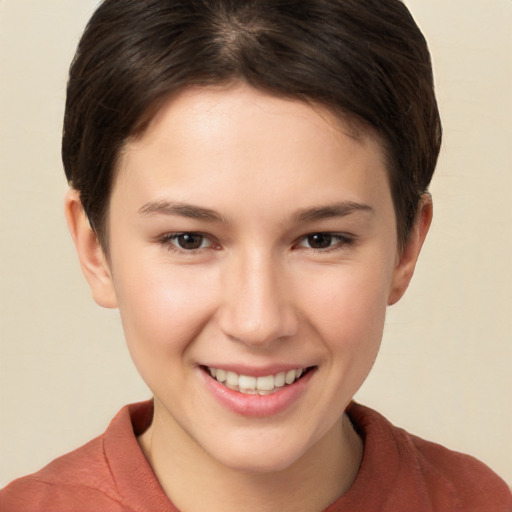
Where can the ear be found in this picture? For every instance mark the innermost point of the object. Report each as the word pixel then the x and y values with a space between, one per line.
pixel 404 268
pixel 92 258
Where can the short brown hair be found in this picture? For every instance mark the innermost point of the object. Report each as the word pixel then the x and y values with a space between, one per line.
pixel 366 60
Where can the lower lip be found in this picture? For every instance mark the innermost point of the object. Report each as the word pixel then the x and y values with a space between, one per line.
pixel 258 405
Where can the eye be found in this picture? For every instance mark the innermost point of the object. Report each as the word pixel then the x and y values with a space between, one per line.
pixel 324 241
pixel 186 242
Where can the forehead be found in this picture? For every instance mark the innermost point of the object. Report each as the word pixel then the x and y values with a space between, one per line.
pixel 238 97
pixel 208 143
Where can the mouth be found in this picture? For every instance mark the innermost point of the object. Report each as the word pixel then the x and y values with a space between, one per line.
pixel 251 385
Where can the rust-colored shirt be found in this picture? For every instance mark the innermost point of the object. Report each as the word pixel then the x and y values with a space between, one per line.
pixel 399 472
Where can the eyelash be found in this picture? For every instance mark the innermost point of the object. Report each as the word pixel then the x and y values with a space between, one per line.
pixel 169 241
pixel 344 241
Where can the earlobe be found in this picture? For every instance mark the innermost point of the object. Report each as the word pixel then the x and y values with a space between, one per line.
pixel 92 257
pixel 405 266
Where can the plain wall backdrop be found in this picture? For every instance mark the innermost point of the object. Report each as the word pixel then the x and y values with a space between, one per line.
pixel 444 371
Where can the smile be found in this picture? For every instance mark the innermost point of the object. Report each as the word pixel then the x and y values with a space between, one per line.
pixel 250 385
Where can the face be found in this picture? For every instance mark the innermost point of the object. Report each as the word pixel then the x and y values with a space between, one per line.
pixel 253 252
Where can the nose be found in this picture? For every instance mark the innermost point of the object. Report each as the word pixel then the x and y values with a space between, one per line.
pixel 257 306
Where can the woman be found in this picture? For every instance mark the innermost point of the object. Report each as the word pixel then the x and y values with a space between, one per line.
pixel 249 186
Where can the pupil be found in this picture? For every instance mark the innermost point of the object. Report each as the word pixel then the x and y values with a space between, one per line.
pixel 190 241
pixel 320 241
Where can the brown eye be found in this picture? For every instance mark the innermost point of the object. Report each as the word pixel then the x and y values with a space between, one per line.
pixel 326 241
pixel 189 241
pixel 320 240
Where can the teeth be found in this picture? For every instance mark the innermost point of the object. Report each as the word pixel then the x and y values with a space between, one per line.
pixel 290 376
pixel 247 383
pixel 280 379
pixel 231 379
pixel 264 385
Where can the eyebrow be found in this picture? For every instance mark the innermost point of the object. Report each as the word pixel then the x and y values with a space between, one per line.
pixel 181 209
pixel 315 213
pixel 341 209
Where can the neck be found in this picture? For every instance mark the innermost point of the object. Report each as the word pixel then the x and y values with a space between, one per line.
pixel 191 478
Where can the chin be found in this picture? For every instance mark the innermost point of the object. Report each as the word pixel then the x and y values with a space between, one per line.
pixel 260 456
pixel 257 464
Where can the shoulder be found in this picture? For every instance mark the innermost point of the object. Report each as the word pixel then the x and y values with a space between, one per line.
pixel 96 476
pixel 434 477
pixel 80 477
pixel 460 478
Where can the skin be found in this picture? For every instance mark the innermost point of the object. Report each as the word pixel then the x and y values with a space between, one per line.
pixel 260 292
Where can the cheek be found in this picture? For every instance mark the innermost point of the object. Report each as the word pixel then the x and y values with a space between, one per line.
pixel 348 306
pixel 163 308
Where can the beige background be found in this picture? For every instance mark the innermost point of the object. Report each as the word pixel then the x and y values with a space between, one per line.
pixel 444 369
